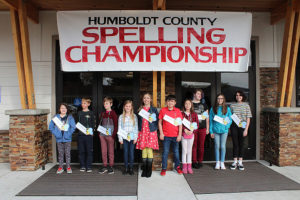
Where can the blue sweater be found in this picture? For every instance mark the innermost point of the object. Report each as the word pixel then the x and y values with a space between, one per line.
pixel 216 127
pixel 66 136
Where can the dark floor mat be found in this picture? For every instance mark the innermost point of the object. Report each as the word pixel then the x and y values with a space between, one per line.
pixel 255 177
pixel 83 184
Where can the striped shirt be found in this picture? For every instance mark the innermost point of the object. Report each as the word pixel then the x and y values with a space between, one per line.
pixel 242 110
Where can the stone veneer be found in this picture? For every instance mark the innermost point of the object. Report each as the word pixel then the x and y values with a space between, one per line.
pixel 4 146
pixel 268 94
pixel 28 139
pixel 282 136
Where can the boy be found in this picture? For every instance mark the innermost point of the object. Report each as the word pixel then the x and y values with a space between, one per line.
pixel 108 120
pixel 85 141
pixel 170 128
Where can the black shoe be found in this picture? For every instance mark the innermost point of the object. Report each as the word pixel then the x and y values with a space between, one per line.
pixel 200 165
pixel 131 171
pixel 103 170
pixel 194 165
pixel 125 171
pixel 110 170
pixel 144 167
pixel 149 167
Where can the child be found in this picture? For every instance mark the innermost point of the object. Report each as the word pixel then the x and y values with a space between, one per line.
pixel 128 123
pixel 85 140
pixel 108 120
pixel 239 131
pixel 170 128
pixel 63 130
pixel 201 109
pixel 219 123
pixel 188 133
pixel 147 137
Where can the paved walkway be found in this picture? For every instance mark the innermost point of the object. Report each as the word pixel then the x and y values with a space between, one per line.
pixel 156 187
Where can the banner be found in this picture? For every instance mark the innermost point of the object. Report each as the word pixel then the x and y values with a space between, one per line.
pixel 154 40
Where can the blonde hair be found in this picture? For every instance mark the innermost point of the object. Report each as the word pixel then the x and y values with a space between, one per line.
pixel 131 112
pixel 86 100
pixel 142 104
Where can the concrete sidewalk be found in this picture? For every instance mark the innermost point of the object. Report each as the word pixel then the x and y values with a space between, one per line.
pixel 156 187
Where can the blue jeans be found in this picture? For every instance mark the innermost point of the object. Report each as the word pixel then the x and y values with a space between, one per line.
pixel 175 146
pixel 128 148
pixel 220 144
pixel 85 148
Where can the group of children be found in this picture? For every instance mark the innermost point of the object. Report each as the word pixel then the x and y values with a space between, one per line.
pixel 190 126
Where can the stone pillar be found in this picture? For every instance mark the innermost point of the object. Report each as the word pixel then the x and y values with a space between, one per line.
pixel 282 136
pixel 4 146
pixel 28 138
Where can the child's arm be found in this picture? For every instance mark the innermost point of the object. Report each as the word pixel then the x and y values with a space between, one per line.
pixel 119 127
pixel 55 130
pixel 72 124
pixel 135 129
pixel 161 133
pixel 178 139
pixel 211 117
pixel 115 120
pixel 229 116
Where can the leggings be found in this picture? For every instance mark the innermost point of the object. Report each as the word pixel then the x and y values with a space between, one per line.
pixel 187 145
pixel 237 140
pixel 64 148
pixel 147 153
pixel 198 147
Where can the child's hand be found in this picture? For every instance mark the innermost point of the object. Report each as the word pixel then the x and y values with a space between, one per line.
pixel 212 135
pixel 134 141
pixel 207 131
pixel 178 139
pixel 161 136
pixel 121 142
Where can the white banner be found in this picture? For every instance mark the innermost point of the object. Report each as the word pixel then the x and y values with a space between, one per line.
pixel 147 40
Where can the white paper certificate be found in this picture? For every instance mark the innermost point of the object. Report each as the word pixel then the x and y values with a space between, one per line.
pixel 122 133
pixel 57 122
pixel 80 127
pixel 101 129
pixel 186 123
pixel 144 114
pixel 169 119
pixel 236 119
pixel 219 119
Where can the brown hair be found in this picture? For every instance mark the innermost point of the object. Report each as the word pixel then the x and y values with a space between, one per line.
pixel 142 104
pixel 109 99
pixel 224 106
pixel 63 104
pixel 88 100
pixel 199 90
pixel 241 94
pixel 131 112
pixel 192 108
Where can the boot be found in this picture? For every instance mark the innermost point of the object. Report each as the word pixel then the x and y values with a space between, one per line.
pixel 184 168
pixel 144 167
pixel 149 167
pixel 189 168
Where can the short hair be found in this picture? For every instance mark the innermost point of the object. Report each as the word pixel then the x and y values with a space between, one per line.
pixel 241 94
pixel 109 99
pixel 198 90
pixel 88 100
pixel 63 104
pixel 171 97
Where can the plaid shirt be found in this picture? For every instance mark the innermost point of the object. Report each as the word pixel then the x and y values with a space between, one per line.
pixel 192 118
pixel 128 126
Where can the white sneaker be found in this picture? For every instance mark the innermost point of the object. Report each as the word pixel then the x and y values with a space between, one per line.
pixel 223 166
pixel 217 165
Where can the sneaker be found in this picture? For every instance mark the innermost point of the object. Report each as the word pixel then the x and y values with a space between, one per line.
pixel 179 170
pixel 125 171
pixel 195 165
pixel 163 172
pixel 241 166
pixel 89 170
pixel 223 166
pixel 103 170
pixel 217 165
pixel 82 169
pixel 131 172
pixel 69 170
pixel 200 165
pixel 233 166
pixel 110 170
pixel 60 170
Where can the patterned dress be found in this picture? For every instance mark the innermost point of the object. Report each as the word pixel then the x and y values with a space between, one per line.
pixel 147 139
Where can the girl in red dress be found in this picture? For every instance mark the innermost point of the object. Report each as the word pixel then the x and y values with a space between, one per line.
pixel 147 137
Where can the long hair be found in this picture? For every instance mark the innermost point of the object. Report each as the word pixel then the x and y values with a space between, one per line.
pixel 131 112
pixel 142 104
pixel 183 107
pixel 241 94
pixel 224 106
pixel 67 107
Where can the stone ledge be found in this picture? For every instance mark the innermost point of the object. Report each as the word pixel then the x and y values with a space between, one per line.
pixel 281 110
pixel 28 112
pixel 4 132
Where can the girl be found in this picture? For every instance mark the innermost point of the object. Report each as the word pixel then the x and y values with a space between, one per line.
pixel 62 127
pixel 219 123
pixel 239 131
pixel 188 136
pixel 201 108
pixel 147 137
pixel 128 123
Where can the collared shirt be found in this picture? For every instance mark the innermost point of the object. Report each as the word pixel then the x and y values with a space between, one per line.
pixel 128 126
pixel 169 129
